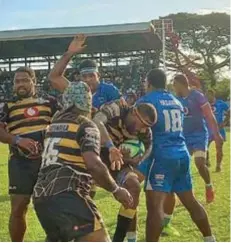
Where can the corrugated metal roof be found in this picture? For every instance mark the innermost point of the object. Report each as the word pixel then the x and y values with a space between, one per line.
pixel 71 31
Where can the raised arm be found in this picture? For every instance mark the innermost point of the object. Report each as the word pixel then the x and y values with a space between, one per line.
pixel 56 75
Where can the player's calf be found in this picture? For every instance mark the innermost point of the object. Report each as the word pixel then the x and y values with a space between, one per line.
pixel 125 217
pixel 17 222
pixel 200 161
pixel 197 213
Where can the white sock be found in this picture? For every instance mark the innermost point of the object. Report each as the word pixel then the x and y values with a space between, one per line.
pixel 209 238
pixel 131 236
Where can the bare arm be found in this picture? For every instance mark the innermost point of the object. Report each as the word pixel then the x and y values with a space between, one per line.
pixel 5 137
pixel 211 120
pixel 56 76
pixel 115 154
pixel 99 171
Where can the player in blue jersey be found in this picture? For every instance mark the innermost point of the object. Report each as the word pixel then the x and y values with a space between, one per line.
pixel 168 166
pixel 222 113
pixel 102 92
pixel 197 111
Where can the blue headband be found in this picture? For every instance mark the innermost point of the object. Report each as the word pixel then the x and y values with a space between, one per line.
pixel 89 70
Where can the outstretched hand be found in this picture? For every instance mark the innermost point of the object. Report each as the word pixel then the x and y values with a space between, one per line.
pixel 77 44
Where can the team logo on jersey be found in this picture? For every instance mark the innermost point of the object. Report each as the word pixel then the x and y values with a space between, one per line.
pixel 186 111
pixel 31 112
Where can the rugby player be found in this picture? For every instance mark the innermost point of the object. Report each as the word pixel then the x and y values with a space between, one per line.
pixel 89 73
pixel 70 161
pixel 118 124
pixel 197 113
pixel 222 113
pixel 168 166
pixel 22 124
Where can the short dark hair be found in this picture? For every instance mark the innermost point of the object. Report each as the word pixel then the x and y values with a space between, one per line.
pixel 87 64
pixel 181 79
pixel 157 78
pixel 28 70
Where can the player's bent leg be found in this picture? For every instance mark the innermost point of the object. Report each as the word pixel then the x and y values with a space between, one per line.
pixel 96 236
pixel 131 234
pixel 197 213
pixel 17 222
pixel 219 157
pixel 155 214
pixel 208 163
pixel 129 180
pixel 200 161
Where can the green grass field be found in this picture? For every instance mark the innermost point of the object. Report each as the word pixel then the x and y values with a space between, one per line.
pixel 219 211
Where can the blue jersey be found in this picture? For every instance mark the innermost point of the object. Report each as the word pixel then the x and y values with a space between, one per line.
pixel 219 109
pixel 105 93
pixel 168 139
pixel 194 121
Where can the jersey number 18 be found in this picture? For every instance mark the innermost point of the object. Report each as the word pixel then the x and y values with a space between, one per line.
pixel 172 120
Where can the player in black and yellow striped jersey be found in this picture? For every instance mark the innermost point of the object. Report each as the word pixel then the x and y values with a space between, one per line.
pixel 23 121
pixel 70 162
pixel 118 124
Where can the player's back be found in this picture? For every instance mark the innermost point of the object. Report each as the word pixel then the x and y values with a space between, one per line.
pixel 219 108
pixel 168 137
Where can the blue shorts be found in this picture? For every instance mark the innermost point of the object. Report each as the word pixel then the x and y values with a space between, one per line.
pixel 143 167
pixel 197 142
pixel 168 175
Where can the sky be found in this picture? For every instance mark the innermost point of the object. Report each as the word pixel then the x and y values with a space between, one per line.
pixel 30 14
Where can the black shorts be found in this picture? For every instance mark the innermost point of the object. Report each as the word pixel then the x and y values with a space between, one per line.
pixel 67 216
pixel 23 174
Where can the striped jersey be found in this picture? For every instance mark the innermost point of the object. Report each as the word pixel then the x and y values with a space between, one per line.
pixel 113 116
pixel 63 167
pixel 28 115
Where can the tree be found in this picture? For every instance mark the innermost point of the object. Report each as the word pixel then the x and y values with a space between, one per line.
pixel 223 89
pixel 205 39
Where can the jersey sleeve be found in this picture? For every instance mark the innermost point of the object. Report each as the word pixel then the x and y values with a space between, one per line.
pixel 200 98
pixel 88 138
pixel 3 112
pixel 108 111
pixel 113 93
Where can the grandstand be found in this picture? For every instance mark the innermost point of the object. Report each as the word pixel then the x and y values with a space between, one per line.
pixel 122 51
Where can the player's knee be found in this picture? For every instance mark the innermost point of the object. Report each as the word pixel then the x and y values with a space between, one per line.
pixel 19 208
pixel 200 162
pixel 132 184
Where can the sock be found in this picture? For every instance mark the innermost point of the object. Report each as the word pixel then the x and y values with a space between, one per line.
pixel 122 227
pixel 167 219
pixel 131 236
pixel 209 185
pixel 209 239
